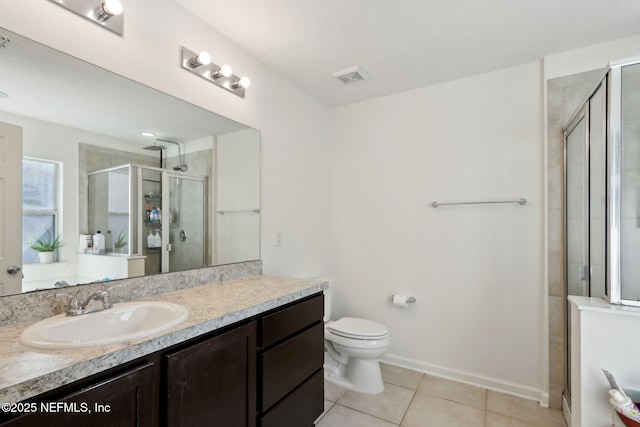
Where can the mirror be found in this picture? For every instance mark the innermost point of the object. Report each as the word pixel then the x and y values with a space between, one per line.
pixel 83 119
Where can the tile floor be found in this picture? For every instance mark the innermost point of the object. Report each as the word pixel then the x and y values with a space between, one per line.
pixel 414 399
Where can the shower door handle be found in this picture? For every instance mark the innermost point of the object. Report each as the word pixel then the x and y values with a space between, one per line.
pixel 584 272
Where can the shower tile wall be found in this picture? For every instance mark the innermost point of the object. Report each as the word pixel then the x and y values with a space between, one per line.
pixel 564 96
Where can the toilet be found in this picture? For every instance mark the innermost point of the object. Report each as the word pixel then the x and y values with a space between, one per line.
pixel 352 349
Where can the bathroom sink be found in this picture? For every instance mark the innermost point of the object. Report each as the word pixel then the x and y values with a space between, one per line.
pixel 124 322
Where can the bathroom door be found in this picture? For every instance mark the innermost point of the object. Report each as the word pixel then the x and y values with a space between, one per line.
pixel 10 209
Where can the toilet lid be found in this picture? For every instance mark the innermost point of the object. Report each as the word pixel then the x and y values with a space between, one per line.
pixel 361 328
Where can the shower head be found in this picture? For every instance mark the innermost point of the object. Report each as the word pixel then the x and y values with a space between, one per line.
pixel 155 148
pixel 181 167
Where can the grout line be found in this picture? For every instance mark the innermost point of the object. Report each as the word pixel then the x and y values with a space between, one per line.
pixel 486 404
pixel 415 392
pixel 365 413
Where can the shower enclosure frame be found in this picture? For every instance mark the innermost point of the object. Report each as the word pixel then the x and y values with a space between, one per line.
pixel 611 81
pixel 581 115
pixel 137 213
pixel 166 247
pixel 130 222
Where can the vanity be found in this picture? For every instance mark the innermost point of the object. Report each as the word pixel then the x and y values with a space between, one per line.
pixel 249 354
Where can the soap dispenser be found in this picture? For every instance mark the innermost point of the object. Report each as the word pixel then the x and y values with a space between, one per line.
pixel 151 240
pixel 158 239
pixel 98 243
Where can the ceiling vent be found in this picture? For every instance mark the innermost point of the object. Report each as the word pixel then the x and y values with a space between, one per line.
pixel 351 75
pixel 4 40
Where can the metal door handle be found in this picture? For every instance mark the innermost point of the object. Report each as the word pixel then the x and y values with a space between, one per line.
pixel 14 269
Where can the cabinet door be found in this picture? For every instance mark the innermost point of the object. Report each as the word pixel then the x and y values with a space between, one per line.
pixel 213 383
pixel 121 401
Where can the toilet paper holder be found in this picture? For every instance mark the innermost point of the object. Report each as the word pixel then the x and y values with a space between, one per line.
pixel 409 299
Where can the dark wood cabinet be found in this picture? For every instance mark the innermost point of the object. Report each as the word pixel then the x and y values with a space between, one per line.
pixel 290 363
pixel 213 383
pixel 301 407
pixel 292 384
pixel 262 372
pixel 124 400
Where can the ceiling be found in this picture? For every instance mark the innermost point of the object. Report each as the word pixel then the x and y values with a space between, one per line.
pixel 406 44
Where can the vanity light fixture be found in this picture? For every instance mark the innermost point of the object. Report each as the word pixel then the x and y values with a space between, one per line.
pixel 108 14
pixel 220 75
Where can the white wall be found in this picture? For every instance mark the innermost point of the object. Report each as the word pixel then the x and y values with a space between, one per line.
pixel 476 271
pixel 237 187
pixel 295 198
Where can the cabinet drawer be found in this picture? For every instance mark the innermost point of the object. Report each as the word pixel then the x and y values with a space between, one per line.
pixel 290 320
pixel 287 365
pixel 300 408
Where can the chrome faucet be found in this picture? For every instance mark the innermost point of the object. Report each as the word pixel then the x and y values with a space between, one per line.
pixel 96 302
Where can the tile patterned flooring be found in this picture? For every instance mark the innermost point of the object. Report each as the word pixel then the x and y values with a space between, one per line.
pixel 414 399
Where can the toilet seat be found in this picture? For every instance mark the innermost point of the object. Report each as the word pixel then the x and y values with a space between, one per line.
pixel 360 329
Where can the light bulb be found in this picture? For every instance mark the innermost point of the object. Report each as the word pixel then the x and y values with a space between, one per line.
pixel 203 58
pixel 112 7
pixel 225 70
pixel 243 82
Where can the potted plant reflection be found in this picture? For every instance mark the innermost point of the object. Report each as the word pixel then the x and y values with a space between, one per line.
pixel 45 245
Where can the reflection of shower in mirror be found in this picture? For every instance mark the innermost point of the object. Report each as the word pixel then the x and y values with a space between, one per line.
pixel 182 167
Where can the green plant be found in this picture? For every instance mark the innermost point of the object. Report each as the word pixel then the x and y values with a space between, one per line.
pixel 121 241
pixel 44 243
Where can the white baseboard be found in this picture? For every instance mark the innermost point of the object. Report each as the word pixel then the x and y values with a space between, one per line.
pixel 541 396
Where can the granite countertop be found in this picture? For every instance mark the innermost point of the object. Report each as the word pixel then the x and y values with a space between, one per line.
pixel 25 372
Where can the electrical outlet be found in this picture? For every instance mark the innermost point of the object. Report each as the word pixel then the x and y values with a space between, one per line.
pixel 278 238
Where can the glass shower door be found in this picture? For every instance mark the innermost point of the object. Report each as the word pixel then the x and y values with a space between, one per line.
pixel 585 205
pixel 576 209
pixel 184 223
pixel 629 173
